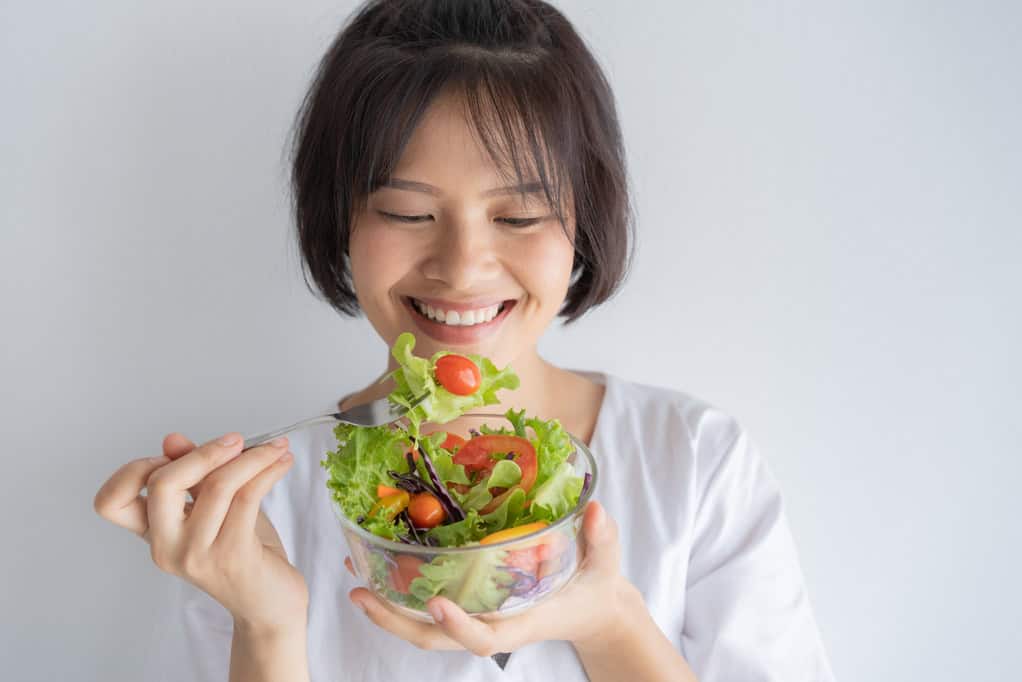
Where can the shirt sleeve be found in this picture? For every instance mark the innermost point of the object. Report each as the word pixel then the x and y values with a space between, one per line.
pixel 748 617
pixel 191 638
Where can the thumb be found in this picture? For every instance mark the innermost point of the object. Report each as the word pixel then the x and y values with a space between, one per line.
pixel 603 551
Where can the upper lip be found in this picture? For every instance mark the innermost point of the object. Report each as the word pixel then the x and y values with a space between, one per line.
pixel 460 306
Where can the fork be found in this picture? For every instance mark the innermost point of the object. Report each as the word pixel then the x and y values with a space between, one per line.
pixel 376 413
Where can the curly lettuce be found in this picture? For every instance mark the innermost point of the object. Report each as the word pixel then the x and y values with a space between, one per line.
pixel 414 378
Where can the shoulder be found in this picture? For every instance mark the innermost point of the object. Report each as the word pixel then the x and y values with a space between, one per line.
pixel 660 415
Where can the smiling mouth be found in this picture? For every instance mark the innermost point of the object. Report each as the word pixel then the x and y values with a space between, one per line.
pixel 460 318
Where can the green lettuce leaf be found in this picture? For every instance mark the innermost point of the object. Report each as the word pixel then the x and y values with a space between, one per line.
pixel 415 377
pixel 556 496
pixel 471 529
pixel 553 446
pixel 474 581
pixel 508 514
pixel 363 457
pixel 443 460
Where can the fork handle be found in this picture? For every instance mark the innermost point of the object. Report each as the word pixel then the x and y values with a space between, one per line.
pixel 256 441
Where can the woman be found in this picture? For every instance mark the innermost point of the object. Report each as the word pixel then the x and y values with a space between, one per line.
pixel 459 173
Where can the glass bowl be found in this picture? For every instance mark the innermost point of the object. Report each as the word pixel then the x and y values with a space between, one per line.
pixel 490 581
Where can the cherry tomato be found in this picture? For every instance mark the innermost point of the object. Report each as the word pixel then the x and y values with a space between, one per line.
pixel 406 570
pixel 385 490
pixel 390 506
pixel 458 374
pixel 477 455
pixel 426 511
pixel 512 533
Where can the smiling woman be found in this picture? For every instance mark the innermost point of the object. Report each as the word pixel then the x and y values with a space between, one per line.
pixel 534 114
pixel 458 172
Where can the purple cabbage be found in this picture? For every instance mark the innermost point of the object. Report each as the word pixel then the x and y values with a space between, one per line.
pixel 453 509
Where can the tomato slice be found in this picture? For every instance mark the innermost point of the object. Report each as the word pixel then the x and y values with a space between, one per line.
pixel 453 442
pixel 458 374
pixel 477 455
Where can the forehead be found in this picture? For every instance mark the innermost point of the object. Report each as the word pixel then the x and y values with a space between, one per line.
pixel 447 149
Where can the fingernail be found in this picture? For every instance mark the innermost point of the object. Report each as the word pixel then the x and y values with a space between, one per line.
pixel 360 605
pixel 229 439
pixel 279 442
pixel 286 457
pixel 436 612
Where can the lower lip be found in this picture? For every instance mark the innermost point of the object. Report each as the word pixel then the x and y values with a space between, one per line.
pixel 449 334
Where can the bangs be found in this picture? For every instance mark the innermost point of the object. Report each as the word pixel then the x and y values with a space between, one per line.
pixel 516 104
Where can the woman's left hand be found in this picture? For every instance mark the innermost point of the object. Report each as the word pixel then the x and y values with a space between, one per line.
pixel 589 610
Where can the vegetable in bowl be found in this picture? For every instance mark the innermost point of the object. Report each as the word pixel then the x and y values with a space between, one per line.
pixel 487 518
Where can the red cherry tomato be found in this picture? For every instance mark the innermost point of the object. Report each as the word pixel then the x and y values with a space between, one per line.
pixel 426 511
pixel 458 374
pixel 406 570
pixel 477 455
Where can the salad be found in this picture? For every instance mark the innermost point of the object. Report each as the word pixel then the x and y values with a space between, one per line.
pixel 429 489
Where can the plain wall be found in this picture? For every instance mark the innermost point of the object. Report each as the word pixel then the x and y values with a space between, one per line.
pixel 828 248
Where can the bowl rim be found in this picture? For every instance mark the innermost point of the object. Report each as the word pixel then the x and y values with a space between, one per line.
pixel 405 548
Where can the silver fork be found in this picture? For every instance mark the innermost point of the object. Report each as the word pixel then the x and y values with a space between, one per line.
pixel 376 413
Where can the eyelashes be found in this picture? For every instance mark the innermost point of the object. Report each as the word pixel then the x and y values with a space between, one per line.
pixel 413 219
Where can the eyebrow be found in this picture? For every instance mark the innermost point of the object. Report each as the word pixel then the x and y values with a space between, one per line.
pixel 412 186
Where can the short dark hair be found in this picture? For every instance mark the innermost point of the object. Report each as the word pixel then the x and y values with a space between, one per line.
pixel 528 79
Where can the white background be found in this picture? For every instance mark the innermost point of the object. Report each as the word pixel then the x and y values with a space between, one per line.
pixel 829 247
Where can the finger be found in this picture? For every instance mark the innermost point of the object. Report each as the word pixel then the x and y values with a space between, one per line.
pixel 603 551
pixel 119 501
pixel 243 513
pixel 422 635
pixel 221 487
pixel 168 484
pixel 350 566
pixel 479 637
pixel 176 446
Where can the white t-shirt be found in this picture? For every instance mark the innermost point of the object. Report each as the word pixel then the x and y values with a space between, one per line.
pixel 703 537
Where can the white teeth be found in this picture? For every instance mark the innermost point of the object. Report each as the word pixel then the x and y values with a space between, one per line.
pixel 457 318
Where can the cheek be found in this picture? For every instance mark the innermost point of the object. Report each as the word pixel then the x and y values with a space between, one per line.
pixel 545 269
pixel 378 261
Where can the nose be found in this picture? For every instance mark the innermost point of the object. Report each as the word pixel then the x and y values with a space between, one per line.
pixel 463 255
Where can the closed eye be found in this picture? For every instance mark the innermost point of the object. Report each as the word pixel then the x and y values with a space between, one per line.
pixel 511 222
pixel 520 222
pixel 405 218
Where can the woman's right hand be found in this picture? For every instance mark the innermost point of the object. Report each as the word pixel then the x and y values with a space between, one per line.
pixel 221 543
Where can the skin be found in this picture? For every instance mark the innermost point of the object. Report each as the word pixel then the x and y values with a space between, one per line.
pixel 465 249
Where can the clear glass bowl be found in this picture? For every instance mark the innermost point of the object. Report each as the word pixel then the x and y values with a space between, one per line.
pixel 491 581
